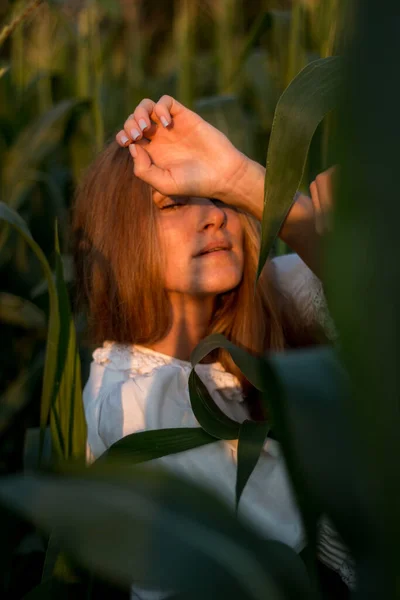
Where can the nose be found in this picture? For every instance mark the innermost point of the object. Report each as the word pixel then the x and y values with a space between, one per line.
pixel 212 215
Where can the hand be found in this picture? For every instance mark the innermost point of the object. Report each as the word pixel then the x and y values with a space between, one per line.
pixel 178 153
pixel 322 197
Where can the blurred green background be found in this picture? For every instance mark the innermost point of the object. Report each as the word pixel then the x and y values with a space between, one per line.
pixel 71 71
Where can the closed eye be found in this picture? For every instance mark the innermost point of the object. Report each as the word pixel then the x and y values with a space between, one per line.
pixel 174 204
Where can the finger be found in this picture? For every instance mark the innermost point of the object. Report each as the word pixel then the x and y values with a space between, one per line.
pixel 170 105
pixel 132 129
pixel 122 139
pixel 324 183
pixel 317 208
pixel 147 171
pixel 165 109
pixel 142 114
pixel 161 114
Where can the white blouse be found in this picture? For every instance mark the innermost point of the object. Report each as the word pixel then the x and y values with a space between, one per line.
pixel 132 388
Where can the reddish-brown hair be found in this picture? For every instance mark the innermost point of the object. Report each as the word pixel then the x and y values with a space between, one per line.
pixel 119 278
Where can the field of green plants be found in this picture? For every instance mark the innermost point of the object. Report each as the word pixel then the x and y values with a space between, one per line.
pixel 70 73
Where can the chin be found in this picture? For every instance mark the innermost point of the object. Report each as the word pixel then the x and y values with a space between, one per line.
pixel 220 285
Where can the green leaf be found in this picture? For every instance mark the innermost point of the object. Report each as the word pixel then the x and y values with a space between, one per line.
pixel 261 25
pixel 19 311
pixel 252 436
pixel 37 141
pixel 302 106
pixel 363 272
pixel 309 403
pixel 67 418
pixel 18 393
pixel 134 525
pixel 208 414
pixel 251 366
pixel 148 445
pixel 13 219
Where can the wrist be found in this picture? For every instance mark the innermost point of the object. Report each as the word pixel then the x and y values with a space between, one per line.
pixel 245 189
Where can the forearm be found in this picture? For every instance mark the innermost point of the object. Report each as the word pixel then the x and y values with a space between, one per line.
pixel 298 230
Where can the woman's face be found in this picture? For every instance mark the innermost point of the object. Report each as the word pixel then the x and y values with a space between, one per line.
pixel 189 230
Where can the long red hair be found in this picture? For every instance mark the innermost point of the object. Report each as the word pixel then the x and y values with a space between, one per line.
pixel 119 271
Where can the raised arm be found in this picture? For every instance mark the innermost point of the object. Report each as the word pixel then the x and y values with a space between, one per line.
pixel 179 153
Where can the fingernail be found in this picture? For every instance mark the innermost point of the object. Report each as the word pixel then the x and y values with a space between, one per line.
pixel 142 124
pixel 135 134
pixel 164 121
pixel 133 150
pixel 124 139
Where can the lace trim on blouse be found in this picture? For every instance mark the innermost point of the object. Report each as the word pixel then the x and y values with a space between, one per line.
pixel 139 360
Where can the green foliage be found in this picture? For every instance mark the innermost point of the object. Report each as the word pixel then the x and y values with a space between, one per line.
pixel 335 411
pixel 61 400
pixel 303 105
pixel 175 524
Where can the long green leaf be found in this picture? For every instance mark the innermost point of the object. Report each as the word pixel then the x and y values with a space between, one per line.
pixel 251 366
pixel 67 419
pixel 18 394
pixel 363 272
pixel 208 414
pixel 252 436
pixel 302 106
pixel 19 311
pixel 13 219
pixel 310 406
pixel 132 525
pixel 148 445
pixel 38 140
pixel 260 26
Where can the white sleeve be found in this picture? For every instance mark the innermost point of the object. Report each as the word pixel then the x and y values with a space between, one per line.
pixel 297 280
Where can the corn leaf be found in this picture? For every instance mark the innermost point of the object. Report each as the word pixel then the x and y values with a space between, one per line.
pixel 18 394
pixel 50 368
pixel 251 366
pixel 363 265
pixel 148 445
pixel 302 106
pixel 208 414
pixel 19 311
pixel 252 436
pixel 152 523
pixel 38 140
pixel 67 418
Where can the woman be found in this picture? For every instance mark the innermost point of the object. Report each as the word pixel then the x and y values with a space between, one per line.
pixel 166 250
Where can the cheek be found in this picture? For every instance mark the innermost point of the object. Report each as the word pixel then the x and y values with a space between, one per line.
pixel 174 247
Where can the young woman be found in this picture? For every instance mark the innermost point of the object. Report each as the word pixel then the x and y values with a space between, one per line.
pixel 166 242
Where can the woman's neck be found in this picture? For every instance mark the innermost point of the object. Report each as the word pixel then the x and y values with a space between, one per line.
pixel 191 318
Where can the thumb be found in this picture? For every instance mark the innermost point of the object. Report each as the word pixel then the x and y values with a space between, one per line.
pixel 147 171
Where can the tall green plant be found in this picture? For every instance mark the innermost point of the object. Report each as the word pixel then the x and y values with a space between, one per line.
pixel 61 401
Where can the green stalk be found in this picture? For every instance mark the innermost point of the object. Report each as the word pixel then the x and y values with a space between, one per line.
pixel 43 34
pixel 133 43
pixel 297 55
pixel 16 21
pixel 185 44
pixel 17 55
pixel 82 55
pixel 226 12
pixel 97 70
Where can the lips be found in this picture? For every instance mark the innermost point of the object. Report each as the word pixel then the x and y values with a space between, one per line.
pixel 213 247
